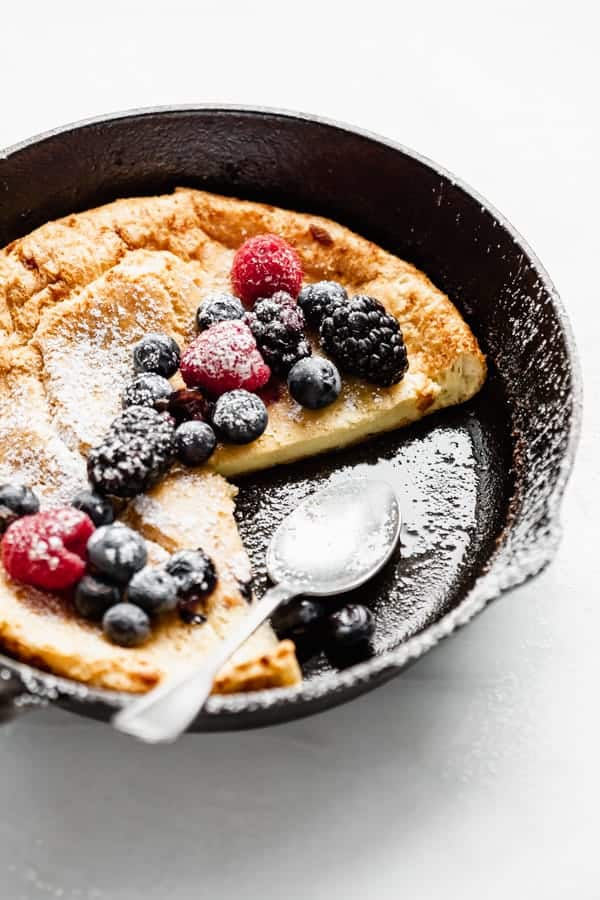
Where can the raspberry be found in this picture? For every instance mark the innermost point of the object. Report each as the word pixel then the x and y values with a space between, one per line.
pixel 264 265
pixel 223 358
pixel 48 549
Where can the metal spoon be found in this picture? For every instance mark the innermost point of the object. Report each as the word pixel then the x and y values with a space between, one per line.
pixel 333 542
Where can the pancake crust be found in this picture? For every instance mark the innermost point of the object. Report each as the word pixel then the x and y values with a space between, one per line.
pixel 75 295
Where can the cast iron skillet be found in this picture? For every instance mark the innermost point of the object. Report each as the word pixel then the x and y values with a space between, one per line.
pixel 480 485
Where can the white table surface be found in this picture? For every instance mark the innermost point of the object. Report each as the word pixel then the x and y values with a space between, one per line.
pixel 477 773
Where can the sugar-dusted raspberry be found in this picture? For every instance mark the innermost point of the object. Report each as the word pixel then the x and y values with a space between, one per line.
pixel 264 265
pixel 223 358
pixel 48 549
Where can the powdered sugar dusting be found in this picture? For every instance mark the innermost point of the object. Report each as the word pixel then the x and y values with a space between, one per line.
pixel 88 361
pixel 32 453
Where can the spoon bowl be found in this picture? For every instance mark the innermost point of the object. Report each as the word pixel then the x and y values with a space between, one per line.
pixel 332 542
pixel 338 538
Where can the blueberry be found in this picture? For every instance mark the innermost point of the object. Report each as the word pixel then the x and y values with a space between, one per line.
pixel 297 617
pixel 194 443
pixel 93 597
pixel 314 382
pixel 117 552
pixel 351 625
pixel 126 624
pixel 147 389
pixel 157 353
pixel 315 300
pixel 154 590
pixel 240 417
pixel 99 509
pixel 19 498
pixel 218 306
pixel 194 573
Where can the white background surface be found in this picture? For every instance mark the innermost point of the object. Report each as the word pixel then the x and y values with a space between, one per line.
pixel 476 774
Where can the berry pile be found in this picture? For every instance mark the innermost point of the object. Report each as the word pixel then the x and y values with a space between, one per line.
pixel 126 594
pixel 249 344
pixel 348 628
pixel 61 549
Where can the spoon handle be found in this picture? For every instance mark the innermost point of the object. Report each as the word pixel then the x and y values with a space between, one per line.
pixel 165 712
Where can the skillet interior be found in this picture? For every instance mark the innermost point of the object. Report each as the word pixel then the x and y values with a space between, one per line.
pixel 479 484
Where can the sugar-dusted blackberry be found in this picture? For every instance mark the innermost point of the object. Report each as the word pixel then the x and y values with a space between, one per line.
pixel 136 451
pixel 146 389
pixel 218 306
pixel 315 300
pixel 277 324
pixel 194 573
pixel 365 340
pixel 158 353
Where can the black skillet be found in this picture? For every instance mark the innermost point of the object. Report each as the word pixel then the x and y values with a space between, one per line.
pixel 481 485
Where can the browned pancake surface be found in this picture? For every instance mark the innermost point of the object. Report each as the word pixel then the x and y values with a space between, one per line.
pixel 76 294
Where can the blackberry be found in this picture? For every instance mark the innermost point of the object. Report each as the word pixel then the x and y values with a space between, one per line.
pixel 194 574
pixel 318 299
pixel 278 328
pixel 365 340
pixel 218 306
pixel 147 389
pixel 137 450
pixel 158 353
